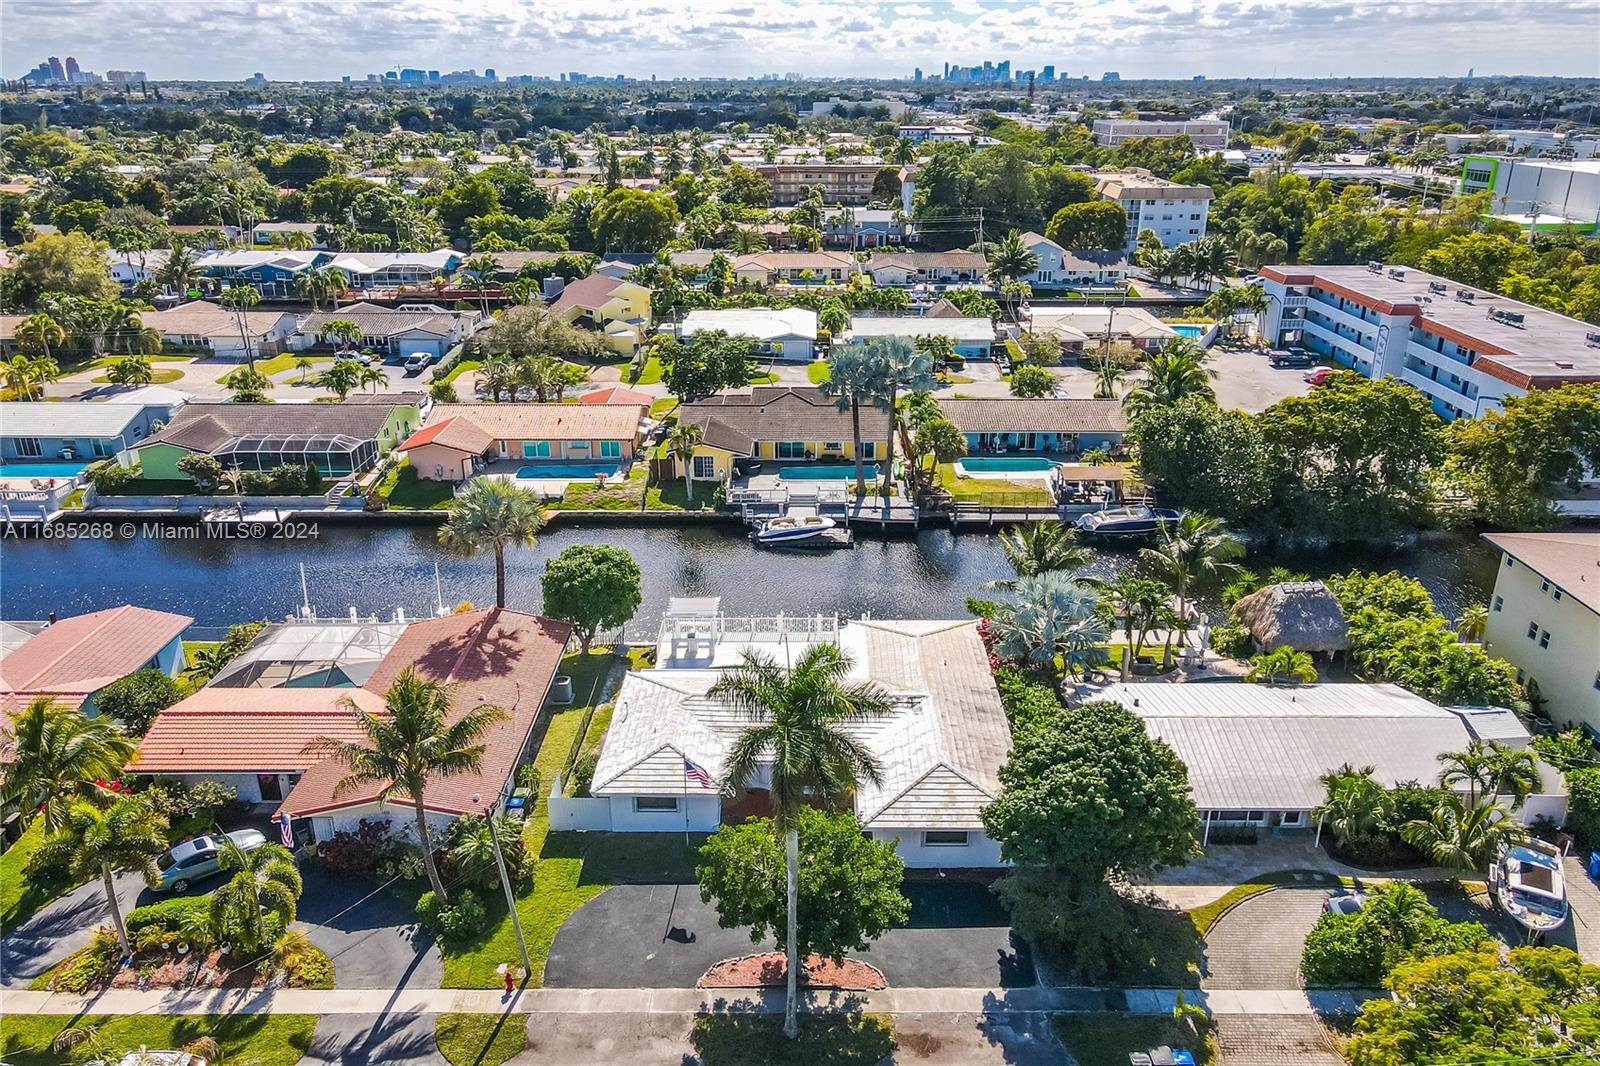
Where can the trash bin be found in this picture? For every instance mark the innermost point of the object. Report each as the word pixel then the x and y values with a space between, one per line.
pixel 1594 865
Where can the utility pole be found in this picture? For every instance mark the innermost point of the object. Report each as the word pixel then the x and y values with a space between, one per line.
pixel 505 883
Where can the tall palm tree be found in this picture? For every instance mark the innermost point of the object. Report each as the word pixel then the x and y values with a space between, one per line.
pixel 797 719
pixel 1470 626
pixel 38 332
pixel 899 366
pixel 1356 802
pixel 239 299
pixel 371 375
pixel 131 370
pixel 1106 379
pixel 1196 550
pixel 55 755
pixel 413 742
pixel 1486 769
pixel 265 883
pixel 1176 371
pixel 179 271
pixel 1054 616
pixel 1010 262
pixel 483 269
pixel 1463 837
pixel 682 440
pixel 99 840
pixel 854 376
pixel 495 514
pixel 1035 548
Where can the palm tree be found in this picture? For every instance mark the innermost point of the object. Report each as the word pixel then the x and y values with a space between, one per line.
pixel 54 755
pixel 1196 550
pixel 1470 626
pixel 1011 260
pixel 483 269
pixel 1106 380
pixel 25 374
pixel 495 514
pixel 1176 371
pixel 341 378
pixel 412 742
pixel 854 377
pixel 1486 769
pixel 682 440
pixel 1356 803
pixel 97 839
pixel 898 365
pixel 266 884
pixel 370 374
pixel 500 375
pixel 937 347
pixel 1035 548
pixel 1053 616
pixel 1284 662
pixel 38 332
pixel 131 370
pixel 239 299
pixel 1463 837
pixel 179 271
pixel 797 718
pixel 248 385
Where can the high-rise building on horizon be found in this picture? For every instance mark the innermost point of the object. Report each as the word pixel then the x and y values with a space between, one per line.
pixel 57 72
pixel 72 68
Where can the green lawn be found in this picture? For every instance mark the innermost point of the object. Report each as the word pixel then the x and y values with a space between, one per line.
pixel 757 1040
pixel 256 1039
pixel 145 486
pixel 481 1039
pixel 763 379
pixel 819 371
pixel 1106 1039
pixel 589 496
pixel 663 407
pixel 158 376
pixel 992 491
pixel 21 897
pixel 279 363
pixel 648 374
pixel 462 367
pixel 404 489
pixel 112 360
pixel 572 868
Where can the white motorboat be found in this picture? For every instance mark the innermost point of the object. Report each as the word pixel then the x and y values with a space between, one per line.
pixel 788 530
pixel 1528 884
pixel 1132 521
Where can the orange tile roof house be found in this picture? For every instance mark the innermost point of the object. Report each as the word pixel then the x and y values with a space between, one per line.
pixel 73 659
pixel 254 738
pixel 459 437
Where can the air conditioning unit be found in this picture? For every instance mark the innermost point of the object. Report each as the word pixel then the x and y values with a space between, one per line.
pixel 1398 275
pixel 1374 266
pixel 1437 286
pixel 1592 339
pixel 1464 295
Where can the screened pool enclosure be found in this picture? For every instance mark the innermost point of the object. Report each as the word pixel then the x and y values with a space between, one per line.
pixel 334 455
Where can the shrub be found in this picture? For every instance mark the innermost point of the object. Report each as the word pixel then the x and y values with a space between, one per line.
pixel 1233 641
pixel 583 773
pixel 204 470
pixel 1024 696
pixel 462 918
pixel 427 909
pixel 982 608
pixel 360 852
pixel 1583 804
pixel 167 914
pixel 213 799
pixel 91 966
pixel 135 700
pixel 111 477
pixel 313 483
pixel 1340 950
pixel 255 483
pixel 470 851
pixel 287 479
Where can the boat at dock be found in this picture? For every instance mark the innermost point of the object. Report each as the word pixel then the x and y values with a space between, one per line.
pixel 1528 885
pixel 1131 521
pixel 792 529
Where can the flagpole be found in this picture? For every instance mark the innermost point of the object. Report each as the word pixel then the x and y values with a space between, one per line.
pixel 685 759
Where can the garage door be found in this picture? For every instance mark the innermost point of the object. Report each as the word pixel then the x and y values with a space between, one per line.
pixel 410 346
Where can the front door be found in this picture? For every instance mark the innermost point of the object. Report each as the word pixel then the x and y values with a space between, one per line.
pixel 271 788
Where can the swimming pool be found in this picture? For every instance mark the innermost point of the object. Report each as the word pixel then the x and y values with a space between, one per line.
pixel 62 468
pixel 826 472
pixel 1004 465
pixel 1185 329
pixel 567 471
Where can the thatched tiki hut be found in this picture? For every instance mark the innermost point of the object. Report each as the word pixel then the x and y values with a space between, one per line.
pixel 1302 615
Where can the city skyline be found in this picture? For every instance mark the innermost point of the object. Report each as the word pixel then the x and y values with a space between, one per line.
pixel 739 39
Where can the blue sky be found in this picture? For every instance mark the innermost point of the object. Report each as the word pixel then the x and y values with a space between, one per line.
pixel 322 39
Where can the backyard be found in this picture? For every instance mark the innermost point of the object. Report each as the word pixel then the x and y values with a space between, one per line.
pixel 992 492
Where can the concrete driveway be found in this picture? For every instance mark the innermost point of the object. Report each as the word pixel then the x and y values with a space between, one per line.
pixel 63 926
pixel 1257 944
pixel 373 939
pixel 373 1040
pixel 663 936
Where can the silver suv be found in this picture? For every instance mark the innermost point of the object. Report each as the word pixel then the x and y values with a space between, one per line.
pixel 199 858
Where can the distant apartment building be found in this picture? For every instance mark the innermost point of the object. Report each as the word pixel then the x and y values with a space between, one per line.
pixel 1208 135
pixel 842 183
pixel 918 134
pixel 1175 213
pixel 1466 349
pixel 1546 193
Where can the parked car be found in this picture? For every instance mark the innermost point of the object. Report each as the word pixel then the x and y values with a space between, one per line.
pixel 350 354
pixel 1296 357
pixel 1319 376
pixel 418 363
pixel 1344 902
pixel 198 858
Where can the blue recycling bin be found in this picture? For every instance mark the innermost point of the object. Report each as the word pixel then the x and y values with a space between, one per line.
pixel 1182 1057
pixel 1594 865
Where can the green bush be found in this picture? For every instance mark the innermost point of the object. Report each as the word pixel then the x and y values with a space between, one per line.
pixel 255 483
pixel 1232 641
pixel 90 967
pixel 135 700
pixel 111 477
pixel 1583 804
pixel 1024 696
pixel 168 914
pixel 1340 950
pixel 983 608
pixel 212 798
pixel 583 773
pixel 287 479
pixel 461 919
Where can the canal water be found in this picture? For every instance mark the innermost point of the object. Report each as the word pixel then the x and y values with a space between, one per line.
pixel 376 569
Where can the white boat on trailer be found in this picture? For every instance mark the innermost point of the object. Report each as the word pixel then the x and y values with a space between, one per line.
pixel 791 529
pixel 1528 885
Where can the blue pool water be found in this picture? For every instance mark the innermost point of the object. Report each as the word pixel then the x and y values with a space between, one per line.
pixel 826 472
pixel 60 468
pixel 569 471
pixel 1001 465
pixel 1184 330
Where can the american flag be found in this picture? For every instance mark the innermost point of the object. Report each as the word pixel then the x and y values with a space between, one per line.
pixel 698 773
pixel 285 833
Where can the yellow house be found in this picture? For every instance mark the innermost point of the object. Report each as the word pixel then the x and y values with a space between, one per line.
pixel 617 309
pixel 778 424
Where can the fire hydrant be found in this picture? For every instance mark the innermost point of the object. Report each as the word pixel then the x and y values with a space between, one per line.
pixel 511 980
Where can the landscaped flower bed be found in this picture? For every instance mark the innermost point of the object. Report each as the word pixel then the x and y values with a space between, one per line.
pixel 766 970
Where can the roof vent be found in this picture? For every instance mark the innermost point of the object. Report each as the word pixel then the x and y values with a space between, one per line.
pixel 1397 274
pixel 1464 295
pixel 1438 286
pixel 1374 266
pixel 1592 339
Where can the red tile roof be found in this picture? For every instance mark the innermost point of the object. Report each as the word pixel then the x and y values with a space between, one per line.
pixel 618 394
pixel 588 293
pixel 459 432
pixel 249 730
pixel 78 656
pixel 491 656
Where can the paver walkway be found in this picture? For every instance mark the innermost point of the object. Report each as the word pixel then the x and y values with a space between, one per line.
pixel 1583 895
pixel 1268 1040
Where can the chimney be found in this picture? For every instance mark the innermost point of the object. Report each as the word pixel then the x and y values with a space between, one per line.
pixel 52 619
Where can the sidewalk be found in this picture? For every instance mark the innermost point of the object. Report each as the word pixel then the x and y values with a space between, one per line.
pixel 986 1001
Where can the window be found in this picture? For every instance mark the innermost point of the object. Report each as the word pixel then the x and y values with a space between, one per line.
pixel 1544 586
pixel 1499 602
pixel 832 446
pixel 869 450
pixel 655 804
pixel 1597 680
pixel 611 449
pixel 1509 561
pixel 536 449
pixel 1533 630
pixel 1556 595
pixel 102 448
pixel 1544 639
pixel 705 467
pixel 28 447
pixel 791 449
pixel 1292 819
pixel 944 838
